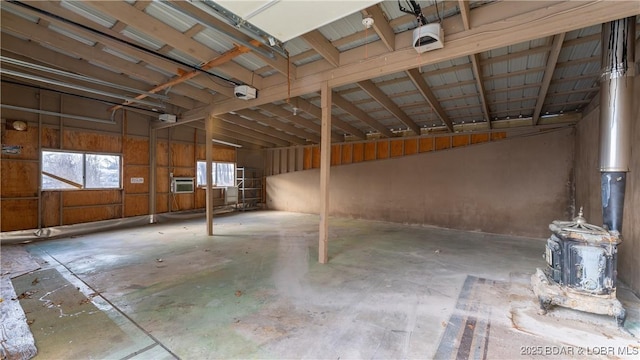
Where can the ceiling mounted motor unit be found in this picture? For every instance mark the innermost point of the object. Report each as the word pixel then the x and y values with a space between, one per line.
pixel 245 92
pixel 169 118
pixel 428 37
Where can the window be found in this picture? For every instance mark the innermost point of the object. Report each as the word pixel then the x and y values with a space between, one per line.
pixel 224 174
pixel 77 170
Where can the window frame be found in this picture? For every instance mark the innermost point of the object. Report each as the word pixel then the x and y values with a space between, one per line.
pixel 216 186
pixel 84 169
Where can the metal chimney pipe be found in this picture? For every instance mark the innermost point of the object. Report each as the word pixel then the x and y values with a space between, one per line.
pixel 616 99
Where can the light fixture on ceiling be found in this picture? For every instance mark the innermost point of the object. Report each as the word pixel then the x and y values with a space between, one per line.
pixel 367 22
pixel 225 143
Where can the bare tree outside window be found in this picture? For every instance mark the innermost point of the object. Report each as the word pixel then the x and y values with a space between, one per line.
pixel 102 171
pixel 223 174
pixel 75 170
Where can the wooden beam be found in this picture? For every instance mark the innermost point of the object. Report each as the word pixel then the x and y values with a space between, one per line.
pixel 381 26
pixel 427 94
pixel 222 59
pixel 262 129
pixel 150 25
pixel 45 36
pixel 194 30
pixel 278 62
pixel 361 115
pixel 552 60
pixel 31 52
pixel 153 135
pixel 319 43
pixel 57 10
pixel 325 167
pixel 463 5
pixel 221 121
pixel 209 169
pixel 370 88
pixel 309 124
pixel 232 136
pixel 477 74
pixel 495 25
pixel 273 122
pixel 317 112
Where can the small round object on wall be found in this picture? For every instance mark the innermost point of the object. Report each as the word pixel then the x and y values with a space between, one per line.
pixel 19 125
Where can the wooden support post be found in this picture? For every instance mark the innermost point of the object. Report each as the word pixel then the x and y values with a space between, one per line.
pixel 209 168
pixel 153 134
pixel 325 166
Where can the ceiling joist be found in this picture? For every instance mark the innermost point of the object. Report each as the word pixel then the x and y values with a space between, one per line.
pixel 378 95
pixel 427 94
pixel 144 22
pixel 347 106
pixel 497 24
pixel 319 43
pixel 273 122
pixel 381 26
pixel 556 47
pixel 340 124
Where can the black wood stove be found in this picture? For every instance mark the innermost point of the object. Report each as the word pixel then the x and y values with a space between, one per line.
pixel 581 258
pixel 581 269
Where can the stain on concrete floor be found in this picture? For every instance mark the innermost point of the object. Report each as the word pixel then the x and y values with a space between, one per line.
pixel 255 290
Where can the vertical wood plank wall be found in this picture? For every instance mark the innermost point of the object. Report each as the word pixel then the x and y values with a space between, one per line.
pixel 129 136
pixel 380 149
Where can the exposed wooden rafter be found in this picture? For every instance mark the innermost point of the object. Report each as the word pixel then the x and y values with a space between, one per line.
pixel 147 23
pixel 262 129
pixel 245 133
pixel 317 113
pixel 465 13
pixel 498 24
pixel 370 88
pixel 347 106
pixel 552 60
pixel 288 115
pixel 232 137
pixel 94 54
pixel 273 122
pixel 277 62
pixel 381 26
pixel 31 50
pixel 222 59
pixel 319 43
pixel 427 94
pixel 477 74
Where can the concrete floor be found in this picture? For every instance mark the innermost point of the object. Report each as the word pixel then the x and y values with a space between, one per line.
pixel 255 290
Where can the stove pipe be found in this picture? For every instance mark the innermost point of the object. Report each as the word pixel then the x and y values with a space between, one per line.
pixel 616 99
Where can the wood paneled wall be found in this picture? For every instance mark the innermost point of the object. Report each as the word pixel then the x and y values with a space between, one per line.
pixel 285 160
pixel 24 206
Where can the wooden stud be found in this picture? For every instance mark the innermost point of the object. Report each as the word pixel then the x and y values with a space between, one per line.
pixel 325 166
pixel 209 168
pixel 152 174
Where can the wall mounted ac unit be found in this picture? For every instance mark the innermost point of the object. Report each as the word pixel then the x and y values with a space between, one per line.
pixel 428 37
pixel 180 185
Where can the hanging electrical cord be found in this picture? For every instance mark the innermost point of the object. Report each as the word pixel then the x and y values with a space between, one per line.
pixel 413 8
pixel 115 38
pixel 79 96
pixel 438 10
